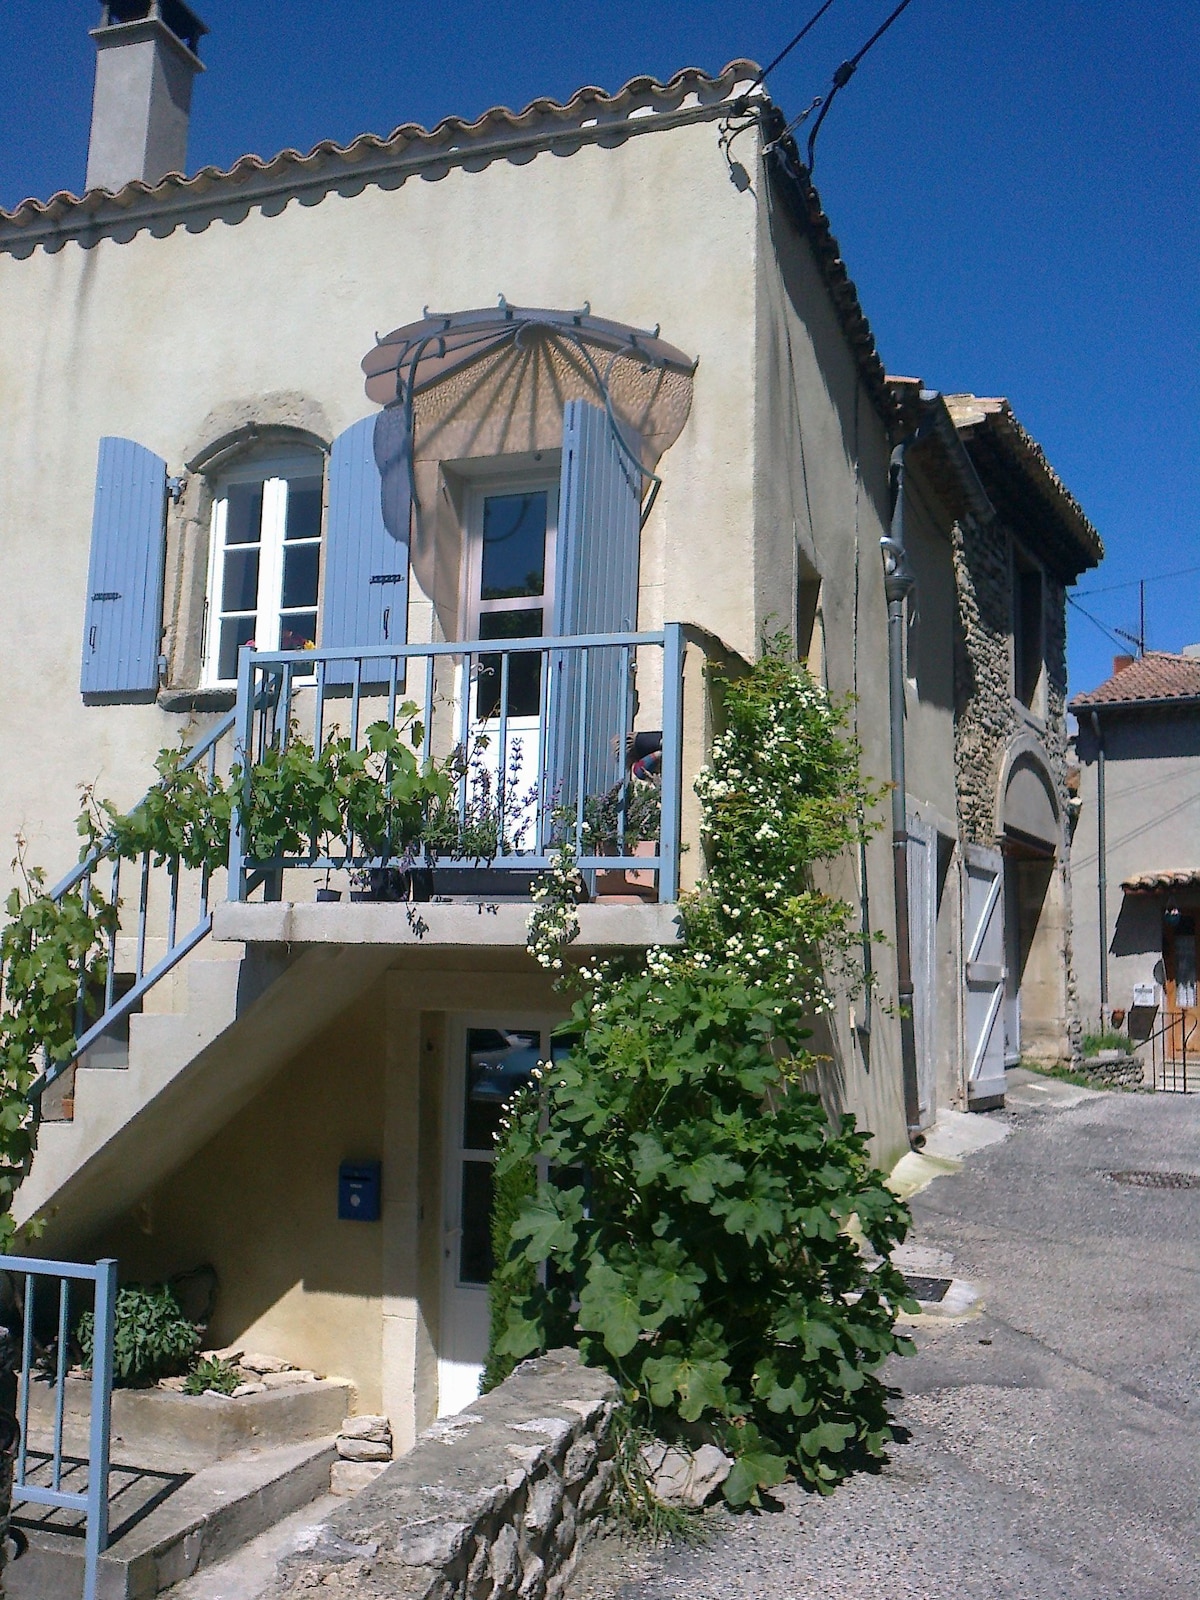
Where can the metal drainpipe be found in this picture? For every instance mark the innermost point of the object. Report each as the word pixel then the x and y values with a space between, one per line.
pixel 1102 877
pixel 898 584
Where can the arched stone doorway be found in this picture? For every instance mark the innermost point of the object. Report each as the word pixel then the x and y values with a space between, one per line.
pixel 1035 912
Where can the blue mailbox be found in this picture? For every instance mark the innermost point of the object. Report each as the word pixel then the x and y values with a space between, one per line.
pixel 359 1186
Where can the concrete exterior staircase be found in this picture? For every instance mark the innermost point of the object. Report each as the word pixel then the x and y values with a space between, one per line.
pixel 209 1037
pixel 193 1479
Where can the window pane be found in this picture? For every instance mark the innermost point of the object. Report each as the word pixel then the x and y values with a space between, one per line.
pixel 524 670
pixel 1185 970
pixel 301 568
pixel 298 631
pixel 235 631
pixel 475 1260
pixel 514 545
pixel 240 589
pixel 498 1064
pixel 243 516
pixel 303 508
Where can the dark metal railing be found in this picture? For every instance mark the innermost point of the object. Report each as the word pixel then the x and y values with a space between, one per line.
pixel 1175 1051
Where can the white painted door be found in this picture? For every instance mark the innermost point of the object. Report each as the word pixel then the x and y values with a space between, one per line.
pixel 922 929
pixel 490 1058
pixel 984 973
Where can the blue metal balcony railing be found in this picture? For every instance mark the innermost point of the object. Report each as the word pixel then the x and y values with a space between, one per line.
pixel 534 731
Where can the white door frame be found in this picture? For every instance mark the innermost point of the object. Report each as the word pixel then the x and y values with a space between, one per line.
pixel 463 1323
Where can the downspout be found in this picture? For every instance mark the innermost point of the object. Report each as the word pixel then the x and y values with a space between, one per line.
pixel 1102 877
pixel 898 584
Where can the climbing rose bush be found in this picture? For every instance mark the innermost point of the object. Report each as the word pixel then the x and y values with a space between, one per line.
pixel 706 1232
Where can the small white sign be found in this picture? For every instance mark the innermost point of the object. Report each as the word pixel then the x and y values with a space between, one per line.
pixel 1145 994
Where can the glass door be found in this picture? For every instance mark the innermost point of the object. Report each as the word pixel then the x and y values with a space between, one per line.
pixel 490 1059
pixel 510 595
pixel 1179 961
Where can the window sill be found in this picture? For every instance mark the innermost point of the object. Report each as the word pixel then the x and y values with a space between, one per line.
pixel 197 699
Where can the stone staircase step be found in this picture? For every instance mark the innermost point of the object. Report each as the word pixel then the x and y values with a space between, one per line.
pixel 166 1523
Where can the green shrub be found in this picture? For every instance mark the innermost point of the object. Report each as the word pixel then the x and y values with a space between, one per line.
pixel 515 1183
pixel 212 1373
pixel 1106 1039
pixel 153 1339
pixel 707 1256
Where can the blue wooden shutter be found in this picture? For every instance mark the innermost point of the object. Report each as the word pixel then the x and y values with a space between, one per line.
pixel 596 591
pixel 122 628
pixel 366 543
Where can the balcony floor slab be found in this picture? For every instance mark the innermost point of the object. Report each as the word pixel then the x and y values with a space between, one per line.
pixel 434 926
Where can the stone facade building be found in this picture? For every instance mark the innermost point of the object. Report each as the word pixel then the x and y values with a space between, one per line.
pixel 1013 570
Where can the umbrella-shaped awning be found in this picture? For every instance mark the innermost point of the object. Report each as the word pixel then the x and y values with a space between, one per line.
pixel 515 361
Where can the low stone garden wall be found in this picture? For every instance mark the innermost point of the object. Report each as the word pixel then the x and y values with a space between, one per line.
pixel 1114 1069
pixel 489 1504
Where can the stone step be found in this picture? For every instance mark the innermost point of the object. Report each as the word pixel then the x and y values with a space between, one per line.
pixel 167 1523
pixel 191 1431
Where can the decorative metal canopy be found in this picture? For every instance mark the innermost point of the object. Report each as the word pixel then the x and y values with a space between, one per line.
pixel 448 365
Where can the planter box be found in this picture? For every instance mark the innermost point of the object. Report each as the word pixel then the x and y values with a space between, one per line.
pixel 630 885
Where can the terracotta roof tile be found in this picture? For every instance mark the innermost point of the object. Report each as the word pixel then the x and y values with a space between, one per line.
pixel 1152 678
pixel 590 113
pixel 1155 882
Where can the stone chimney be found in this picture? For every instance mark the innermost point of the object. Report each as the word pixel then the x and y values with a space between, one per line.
pixel 145 63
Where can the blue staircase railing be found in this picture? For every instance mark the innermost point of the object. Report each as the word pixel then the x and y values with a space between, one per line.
pixel 178 881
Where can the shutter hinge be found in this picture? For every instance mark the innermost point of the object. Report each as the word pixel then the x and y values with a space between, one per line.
pixel 175 488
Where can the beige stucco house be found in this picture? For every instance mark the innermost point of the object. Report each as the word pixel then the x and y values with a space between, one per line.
pixel 1135 859
pixel 631 399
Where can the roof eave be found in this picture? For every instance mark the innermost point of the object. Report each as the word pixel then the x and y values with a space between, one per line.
pixel 591 116
pixel 1161 702
pixel 803 204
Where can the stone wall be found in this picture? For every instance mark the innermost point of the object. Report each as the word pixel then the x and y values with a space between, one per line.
pixel 489 1504
pixel 1115 1069
pixel 983 713
pixel 987 719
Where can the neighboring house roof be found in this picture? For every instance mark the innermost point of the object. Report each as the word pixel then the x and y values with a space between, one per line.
pixel 1156 678
pixel 1156 882
pixel 1022 485
pixel 591 115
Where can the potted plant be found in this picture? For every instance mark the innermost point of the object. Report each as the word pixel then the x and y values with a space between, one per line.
pixel 625 821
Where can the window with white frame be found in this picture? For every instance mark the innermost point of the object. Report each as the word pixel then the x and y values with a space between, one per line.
pixel 264 565
pixel 510 585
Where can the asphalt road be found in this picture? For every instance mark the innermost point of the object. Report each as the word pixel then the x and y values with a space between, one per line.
pixel 1054 1428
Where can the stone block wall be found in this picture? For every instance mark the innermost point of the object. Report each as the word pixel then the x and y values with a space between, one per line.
pixel 490 1504
pixel 987 721
pixel 983 712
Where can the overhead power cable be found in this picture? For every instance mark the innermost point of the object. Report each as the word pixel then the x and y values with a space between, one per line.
pixel 846 71
pixel 791 44
pixel 1132 583
pixel 1108 633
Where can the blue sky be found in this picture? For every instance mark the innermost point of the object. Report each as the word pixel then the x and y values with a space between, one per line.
pixel 1014 186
